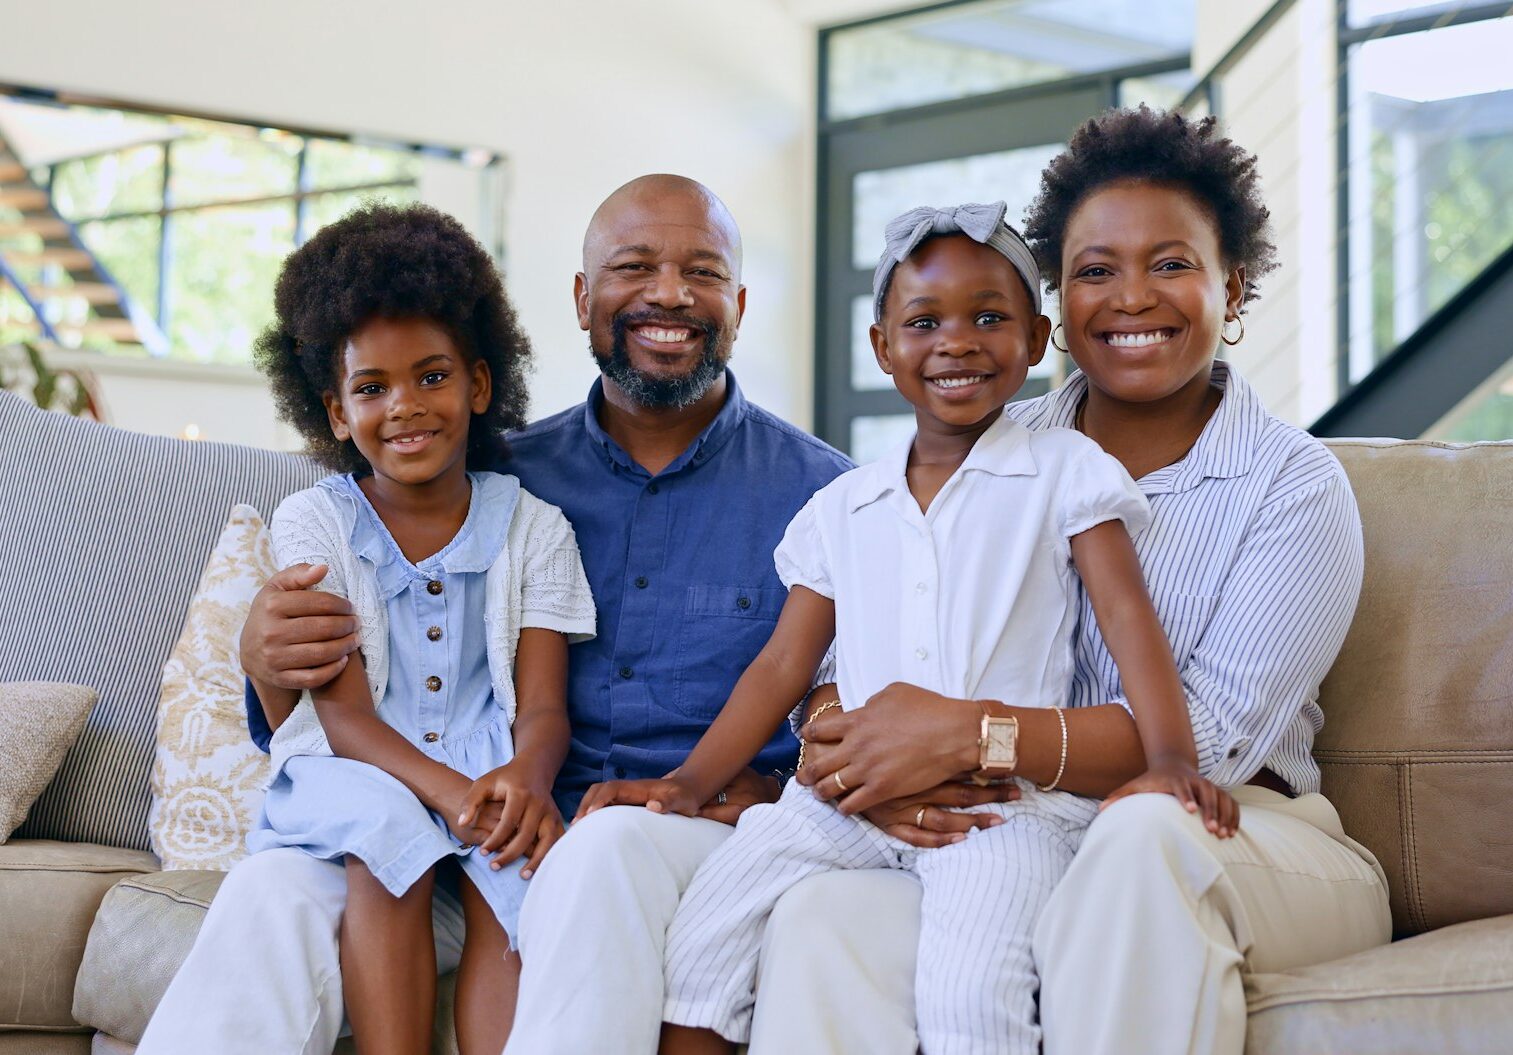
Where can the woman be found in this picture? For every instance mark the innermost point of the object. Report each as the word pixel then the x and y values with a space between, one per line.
pixel 1153 230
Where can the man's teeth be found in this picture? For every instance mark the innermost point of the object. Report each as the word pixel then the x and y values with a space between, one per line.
pixel 665 336
pixel 954 382
pixel 1138 340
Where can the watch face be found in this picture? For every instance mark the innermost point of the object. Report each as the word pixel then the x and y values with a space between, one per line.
pixel 1001 741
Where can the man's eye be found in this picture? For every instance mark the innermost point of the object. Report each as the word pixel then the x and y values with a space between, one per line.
pixel 632 266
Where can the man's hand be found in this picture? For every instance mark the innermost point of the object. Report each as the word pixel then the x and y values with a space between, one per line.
pixel 924 820
pixel 295 637
pixel 666 795
pixel 1219 810
pixel 749 788
pixel 528 823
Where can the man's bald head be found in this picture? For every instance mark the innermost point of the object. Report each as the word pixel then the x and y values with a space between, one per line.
pixel 659 199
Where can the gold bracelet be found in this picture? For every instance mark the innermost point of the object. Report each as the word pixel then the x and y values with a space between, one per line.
pixel 1060 769
pixel 822 709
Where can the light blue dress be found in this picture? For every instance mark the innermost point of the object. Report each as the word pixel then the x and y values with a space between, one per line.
pixel 439 697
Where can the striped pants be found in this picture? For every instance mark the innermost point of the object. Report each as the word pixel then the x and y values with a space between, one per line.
pixel 975 976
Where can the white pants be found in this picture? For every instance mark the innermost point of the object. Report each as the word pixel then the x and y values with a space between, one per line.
pixel 1140 948
pixel 264 976
pixel 975 980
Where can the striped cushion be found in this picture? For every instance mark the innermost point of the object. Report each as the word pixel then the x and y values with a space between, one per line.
pixel 103 534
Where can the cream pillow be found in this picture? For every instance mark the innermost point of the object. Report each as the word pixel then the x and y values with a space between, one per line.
pixel 207 776
pixel 39 722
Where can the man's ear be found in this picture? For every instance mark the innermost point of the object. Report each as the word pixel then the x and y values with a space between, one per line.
pixel 1040 333
pixel 879 338
pixel 740 305
pixel 336 415
pixel 483 387
pixel 580 298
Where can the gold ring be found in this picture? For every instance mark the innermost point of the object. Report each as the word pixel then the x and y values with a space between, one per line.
pixel 839 783
pixel 919 818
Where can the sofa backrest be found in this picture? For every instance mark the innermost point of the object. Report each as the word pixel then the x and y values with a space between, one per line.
pixel 1417 746
pixel 103 535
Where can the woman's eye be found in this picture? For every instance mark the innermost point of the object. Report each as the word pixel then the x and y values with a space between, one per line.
pixel 1094 271
pixel 1174 265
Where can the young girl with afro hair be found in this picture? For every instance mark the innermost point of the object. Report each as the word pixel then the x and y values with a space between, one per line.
pixel 397 356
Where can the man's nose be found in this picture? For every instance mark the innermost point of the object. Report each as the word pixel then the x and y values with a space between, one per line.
pixel 668 289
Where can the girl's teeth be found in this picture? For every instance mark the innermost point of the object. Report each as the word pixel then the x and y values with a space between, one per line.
pixel 1137 340
pixel 955 382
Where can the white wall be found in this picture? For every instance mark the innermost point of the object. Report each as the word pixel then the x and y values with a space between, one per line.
pixel 581 95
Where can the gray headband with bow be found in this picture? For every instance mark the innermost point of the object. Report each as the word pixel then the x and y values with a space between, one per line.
pixel 981 223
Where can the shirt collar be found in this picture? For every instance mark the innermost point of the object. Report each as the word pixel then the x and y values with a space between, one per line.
pixel 1225 448
pixel 1003 450
pixel 704 445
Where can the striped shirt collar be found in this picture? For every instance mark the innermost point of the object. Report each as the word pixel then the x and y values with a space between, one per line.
pixel 1225 448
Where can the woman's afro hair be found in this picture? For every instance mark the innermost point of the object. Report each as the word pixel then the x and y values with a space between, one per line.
pixel 391 262
pixel 1163 147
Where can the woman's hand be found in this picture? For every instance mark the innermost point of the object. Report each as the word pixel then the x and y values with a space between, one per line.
pixel 924 821
pixel 664 795
pixel 1220 812
pixel 906 739
pixel 529 822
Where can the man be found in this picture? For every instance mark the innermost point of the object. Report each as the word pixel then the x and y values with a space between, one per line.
pixel 678 490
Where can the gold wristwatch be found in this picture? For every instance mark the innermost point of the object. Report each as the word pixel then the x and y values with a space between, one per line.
pixel 997 744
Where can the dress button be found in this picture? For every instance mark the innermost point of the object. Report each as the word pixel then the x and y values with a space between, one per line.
pixel 652 489
pixel 743 603
pixel 920 653
pixel 433 683
pixel 640 582
pixel 434 634
pixel 920 587
pixel 434 586
pixel 430 738
pixel 626 672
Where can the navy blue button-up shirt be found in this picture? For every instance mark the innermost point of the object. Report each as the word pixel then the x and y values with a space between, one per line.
pixel 681 569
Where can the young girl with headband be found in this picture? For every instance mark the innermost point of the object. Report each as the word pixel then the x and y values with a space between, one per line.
pixel 953 563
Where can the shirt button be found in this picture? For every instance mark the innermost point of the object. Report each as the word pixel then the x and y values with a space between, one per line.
pixel 920 653
pixel 743 603
pixel 920 587
pixel 619 772
pixel 433 587
pixel 640 582
pixel 652 488
pixel 626 672
pixel 434 633
pixel 433 683
pixel 430 738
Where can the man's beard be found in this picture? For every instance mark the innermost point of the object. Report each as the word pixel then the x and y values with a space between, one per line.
pixel 659 393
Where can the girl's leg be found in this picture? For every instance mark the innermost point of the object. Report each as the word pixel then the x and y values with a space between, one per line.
pixel 388 963
pixel 488 979
pixel 975 981
pixel 686 1040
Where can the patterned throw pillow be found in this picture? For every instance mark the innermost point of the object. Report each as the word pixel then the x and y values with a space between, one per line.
pixel 39 722
pixel 207 776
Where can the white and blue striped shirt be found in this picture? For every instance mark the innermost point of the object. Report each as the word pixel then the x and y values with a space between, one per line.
pixel 1253 559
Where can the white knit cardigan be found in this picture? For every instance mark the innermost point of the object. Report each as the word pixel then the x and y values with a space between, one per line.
pixel 536 581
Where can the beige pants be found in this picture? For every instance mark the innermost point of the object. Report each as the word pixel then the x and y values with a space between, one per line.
pixel 1140 949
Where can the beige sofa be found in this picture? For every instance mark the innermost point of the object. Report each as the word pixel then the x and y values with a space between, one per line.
pixel 1417 752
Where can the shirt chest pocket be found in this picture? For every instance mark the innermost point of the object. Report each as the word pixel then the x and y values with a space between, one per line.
pixel 1184 617
pixel 722 630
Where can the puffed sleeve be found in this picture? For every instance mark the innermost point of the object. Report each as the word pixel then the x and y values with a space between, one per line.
pixel 1095 488
pixel 305 531
pixel 554 591
pixel 800 557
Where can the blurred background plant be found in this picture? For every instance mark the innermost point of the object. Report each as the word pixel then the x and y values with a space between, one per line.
pixel 24 370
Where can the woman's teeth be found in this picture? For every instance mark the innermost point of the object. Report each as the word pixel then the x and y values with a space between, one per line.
pixel 1137 340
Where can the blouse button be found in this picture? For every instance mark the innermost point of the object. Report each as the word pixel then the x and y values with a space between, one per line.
pixel 433 587
pixel 920 653
pixel 433 683
pixel 434 634
pixel 430 738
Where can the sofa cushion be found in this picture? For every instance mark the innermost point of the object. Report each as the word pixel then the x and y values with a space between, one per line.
pixel 39 722
pixel 1417 745
pixel 207 776
pixel 1450 992
pixel 48 895
pixel 105 535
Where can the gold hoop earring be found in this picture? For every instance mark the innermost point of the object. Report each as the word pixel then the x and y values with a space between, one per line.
pixel 1241 320
pixel 1059 347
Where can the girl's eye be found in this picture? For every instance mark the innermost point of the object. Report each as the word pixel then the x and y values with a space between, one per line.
pixel 372 388
pixel 920 324
pixel 435 377
pixel 989 318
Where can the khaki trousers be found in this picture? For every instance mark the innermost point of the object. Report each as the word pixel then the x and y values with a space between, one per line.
pixel 1140 949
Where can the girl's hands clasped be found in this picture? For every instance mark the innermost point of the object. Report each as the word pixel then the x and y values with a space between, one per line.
pixel 529 822
pixel 1219 811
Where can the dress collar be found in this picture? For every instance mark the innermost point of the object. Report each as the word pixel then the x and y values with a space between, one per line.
pixel 703 447
pixel 1003 450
